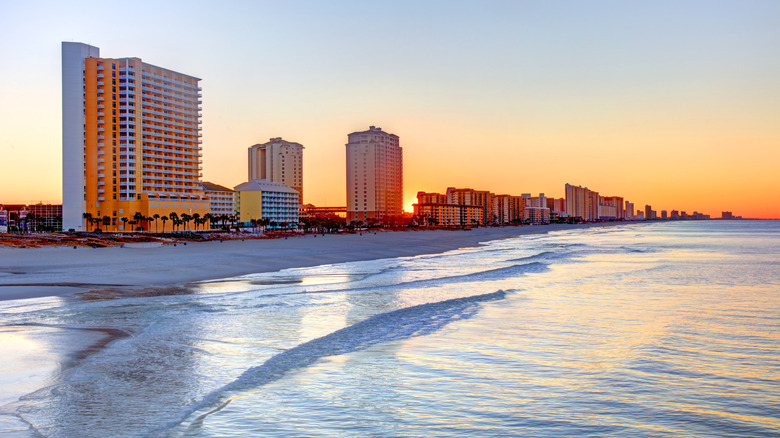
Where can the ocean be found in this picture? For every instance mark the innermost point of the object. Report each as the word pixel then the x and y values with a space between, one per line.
pixel 653 329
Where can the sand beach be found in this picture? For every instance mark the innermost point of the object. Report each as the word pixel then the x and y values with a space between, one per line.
pixel 65 270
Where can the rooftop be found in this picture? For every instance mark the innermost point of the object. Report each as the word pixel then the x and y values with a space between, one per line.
pixel 264 185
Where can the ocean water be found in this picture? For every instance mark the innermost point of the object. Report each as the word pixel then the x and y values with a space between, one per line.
pixel 663 329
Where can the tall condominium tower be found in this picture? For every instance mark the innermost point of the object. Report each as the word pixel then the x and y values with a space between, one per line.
pixel 278 161
pixel 581 202
pixel 374 175
pixel 130 139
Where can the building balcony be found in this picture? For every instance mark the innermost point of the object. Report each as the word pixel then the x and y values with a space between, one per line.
pixel 100 198
pixel 101 129
pixel 100 67
pixel 101 122
pixel 100 114
pixel 100 99
pixel 101 152
pixel 100 75
pixel 101 168
pixel 101 137
pixel 101 106
pixel 101 191
pixel 100 83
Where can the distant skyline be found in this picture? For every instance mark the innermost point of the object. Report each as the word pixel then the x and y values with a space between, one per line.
pixel 674 104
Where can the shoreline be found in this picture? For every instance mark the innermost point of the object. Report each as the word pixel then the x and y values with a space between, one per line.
pixel 63 271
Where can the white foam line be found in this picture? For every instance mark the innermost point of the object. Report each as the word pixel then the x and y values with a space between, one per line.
pixel 397 325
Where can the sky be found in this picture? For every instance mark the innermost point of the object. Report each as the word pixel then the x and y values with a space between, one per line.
pixel 675 104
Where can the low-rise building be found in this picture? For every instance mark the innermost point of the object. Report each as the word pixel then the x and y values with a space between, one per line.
pixel 221 198
pixel 260 199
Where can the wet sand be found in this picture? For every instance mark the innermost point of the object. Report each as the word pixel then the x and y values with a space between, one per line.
pixel 56 271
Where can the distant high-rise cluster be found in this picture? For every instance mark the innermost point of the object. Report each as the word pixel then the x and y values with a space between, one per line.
pixel 469 207
pixel 374 175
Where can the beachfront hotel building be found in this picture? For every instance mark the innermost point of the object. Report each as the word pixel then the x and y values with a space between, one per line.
pixel 260 199
pixel 483 198
pixel 508 208
pixel 221 198
pixel 629 210
pixel 611 208
pixel 582 202
pixel 130 139
pixel 374 175
pixel 536 210
pixel 439 209
pixel 278 161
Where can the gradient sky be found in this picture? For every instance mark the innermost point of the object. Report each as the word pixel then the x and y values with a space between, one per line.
pixel 670 103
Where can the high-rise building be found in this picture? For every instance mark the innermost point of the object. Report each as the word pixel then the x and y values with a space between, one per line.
pixel 278 161
pixel 581 202
pixel 130 139
pixel 650 214
pixel 611 208
pixel 508 208
pixel 374 175
pixel 536 210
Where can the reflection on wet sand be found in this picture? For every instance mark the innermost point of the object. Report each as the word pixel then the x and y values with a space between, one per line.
pixel 116 293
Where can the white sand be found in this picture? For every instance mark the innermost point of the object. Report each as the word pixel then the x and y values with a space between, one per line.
pixel 48 271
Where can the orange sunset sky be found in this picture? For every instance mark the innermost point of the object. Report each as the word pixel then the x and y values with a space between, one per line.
pixel 675 104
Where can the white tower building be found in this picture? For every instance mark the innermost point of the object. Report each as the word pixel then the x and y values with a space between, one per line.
pixel 374 175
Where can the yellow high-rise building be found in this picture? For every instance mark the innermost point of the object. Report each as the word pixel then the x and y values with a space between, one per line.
pixel 130 140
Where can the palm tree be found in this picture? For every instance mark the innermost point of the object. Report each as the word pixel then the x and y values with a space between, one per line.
pixel 207 218
pixel 106 222
pixel 186 219
pixel 138 218
pixel 196 219
pixel 174 218
pixel 155 217
pixel 88 218
pixel 164 219
pixel 124 219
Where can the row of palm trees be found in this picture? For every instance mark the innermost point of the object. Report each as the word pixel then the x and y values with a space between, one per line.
pixel 177 220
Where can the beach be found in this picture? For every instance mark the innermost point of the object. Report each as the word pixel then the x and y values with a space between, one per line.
pixel 620 331
pixel 64 270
